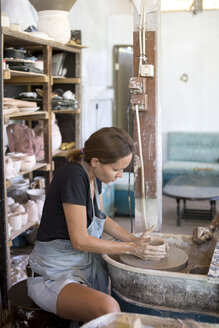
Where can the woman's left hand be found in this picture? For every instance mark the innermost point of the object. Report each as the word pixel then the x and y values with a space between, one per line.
pixel 146 235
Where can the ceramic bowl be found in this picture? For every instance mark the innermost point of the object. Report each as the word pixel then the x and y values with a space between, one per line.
pixel 35 194
pixel 28 158
pixel 26 166
pixel 20 184
pixel 16 163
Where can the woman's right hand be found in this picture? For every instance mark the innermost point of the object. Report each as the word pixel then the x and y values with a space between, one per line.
pixel 143 250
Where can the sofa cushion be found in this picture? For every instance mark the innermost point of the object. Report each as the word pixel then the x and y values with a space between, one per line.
pixel 184 168
pixel 193 146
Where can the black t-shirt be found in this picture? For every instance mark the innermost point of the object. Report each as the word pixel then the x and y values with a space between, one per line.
pixel 70 184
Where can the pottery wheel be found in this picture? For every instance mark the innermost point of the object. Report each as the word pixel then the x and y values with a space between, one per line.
pixel 175 260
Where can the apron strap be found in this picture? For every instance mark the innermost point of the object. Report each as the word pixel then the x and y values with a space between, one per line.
pixel 96 192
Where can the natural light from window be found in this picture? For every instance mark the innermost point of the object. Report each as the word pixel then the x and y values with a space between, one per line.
pixel 186 5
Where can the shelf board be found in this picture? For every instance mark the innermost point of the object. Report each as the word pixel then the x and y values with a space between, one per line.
pixel 18 77
pixel 66 80
pixel 24 39
pixel 38 115
pixel 36 167
pixel 70 111
pixel 15 233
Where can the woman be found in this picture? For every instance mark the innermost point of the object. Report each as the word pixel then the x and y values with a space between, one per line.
pixel 68 275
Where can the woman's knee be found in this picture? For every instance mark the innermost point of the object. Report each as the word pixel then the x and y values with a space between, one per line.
pixel 109 305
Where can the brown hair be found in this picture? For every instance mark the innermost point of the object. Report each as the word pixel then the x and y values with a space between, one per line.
pixel 106 144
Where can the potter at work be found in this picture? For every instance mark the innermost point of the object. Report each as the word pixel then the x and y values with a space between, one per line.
pixel 67 275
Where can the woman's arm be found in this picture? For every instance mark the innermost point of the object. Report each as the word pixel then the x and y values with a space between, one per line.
pixel 116 231
pixel 76 219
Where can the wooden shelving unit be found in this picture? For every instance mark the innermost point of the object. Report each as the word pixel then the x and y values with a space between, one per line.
pixel 30 81
pixel 38 115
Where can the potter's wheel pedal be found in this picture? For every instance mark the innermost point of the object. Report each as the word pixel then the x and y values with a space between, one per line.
pixel 175 260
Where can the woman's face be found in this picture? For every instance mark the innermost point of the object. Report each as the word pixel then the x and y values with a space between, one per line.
pixel 110 172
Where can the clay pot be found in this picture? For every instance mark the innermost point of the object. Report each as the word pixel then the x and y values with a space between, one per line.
pixel 27 162
pixel 40 5
pixel 16 163
pixel 32 211
pixel 24 217
pixel 158 242
pixel 15 220
pixel 55 23
pixel 40 203
pixel 35 194
pixel 10 171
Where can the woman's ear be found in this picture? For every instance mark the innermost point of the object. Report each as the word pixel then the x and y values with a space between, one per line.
pixel 94 162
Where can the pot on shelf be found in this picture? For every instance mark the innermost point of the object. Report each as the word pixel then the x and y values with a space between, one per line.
pixel 53 18
pixel 55 23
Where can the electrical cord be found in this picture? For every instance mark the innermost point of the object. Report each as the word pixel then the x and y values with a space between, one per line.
pixel 129 180
pixel 142 168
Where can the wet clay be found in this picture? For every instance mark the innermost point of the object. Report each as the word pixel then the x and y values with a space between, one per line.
pixel 175 260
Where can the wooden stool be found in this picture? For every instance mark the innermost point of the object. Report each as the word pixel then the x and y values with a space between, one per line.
pixel 25 313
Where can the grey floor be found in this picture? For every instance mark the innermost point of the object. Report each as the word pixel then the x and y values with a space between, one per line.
pixel 169 217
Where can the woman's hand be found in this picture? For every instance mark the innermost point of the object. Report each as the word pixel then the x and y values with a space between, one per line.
pixel 202 234
pixel 146 235
pixel 142 249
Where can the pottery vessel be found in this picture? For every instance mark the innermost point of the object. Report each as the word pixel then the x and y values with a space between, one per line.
pixel 27 162
pixel 40 182
pixel 15 220
pixel 13 207
pixel 35 194
pixel 10 171
pixel 158 243
pixel 10 201
pixel 40 203
pixel 32 211
pixel 56 24
pixel 24 217
pixel 16 163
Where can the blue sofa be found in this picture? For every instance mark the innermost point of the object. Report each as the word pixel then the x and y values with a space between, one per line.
pixel 191 153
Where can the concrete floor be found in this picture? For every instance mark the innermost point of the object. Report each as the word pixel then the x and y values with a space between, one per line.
pixel 170 217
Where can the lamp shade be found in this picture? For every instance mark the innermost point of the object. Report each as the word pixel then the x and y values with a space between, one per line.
pixel 41 5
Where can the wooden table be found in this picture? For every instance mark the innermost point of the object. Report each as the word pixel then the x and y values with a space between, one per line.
pixel 193 188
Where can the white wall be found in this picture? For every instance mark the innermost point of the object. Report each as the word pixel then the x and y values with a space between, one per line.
pixel 189 45
pixel 103 24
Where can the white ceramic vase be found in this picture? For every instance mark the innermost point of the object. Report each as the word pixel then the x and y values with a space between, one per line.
pixel 55 23
pixel 32 211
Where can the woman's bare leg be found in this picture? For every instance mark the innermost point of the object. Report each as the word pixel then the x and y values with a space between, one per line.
pixel 81 303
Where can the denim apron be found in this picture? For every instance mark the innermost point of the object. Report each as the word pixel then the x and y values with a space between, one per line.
pixel 58 261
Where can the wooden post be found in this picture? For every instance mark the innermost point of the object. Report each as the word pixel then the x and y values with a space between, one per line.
pixel 47 106
pixel 148 139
